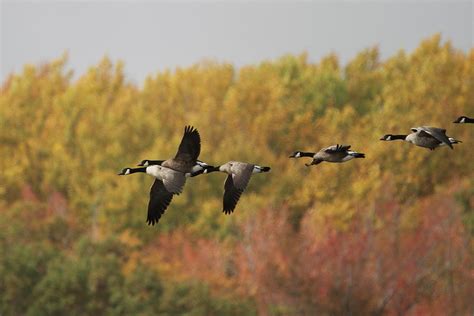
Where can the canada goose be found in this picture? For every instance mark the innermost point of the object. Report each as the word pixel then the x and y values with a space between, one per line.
pixel 239 174
pixel 464 119
pixel 389 137
pixel 199 166
pixel 170 174
pixel 167 183
pixel 424 136
pixel 334 153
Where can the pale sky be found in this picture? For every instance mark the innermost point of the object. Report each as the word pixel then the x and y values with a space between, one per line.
pixel 150 36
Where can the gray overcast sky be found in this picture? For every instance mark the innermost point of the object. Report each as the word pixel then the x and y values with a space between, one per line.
pixel 151 35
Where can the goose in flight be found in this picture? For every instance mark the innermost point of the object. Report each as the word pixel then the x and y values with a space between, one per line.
pixel 170 175
pixel 168 182
pixel 238 177
pixel 335 153
pixel 425 136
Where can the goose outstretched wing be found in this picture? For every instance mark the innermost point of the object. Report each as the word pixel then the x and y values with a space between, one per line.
pixel 190 146
pixel 160 198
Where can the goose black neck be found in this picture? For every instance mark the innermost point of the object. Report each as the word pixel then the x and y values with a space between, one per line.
pixel 206 169
pixel 141 169
pixel 306 154
pixel 469 120
pixel 211 169
pixel 155 162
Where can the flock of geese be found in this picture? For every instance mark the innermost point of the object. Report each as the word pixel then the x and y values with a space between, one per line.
pixel 171 174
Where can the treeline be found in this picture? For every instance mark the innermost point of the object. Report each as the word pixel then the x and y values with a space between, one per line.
pixel 390 234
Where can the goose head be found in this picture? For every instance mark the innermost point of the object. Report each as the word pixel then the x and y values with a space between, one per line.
pixel 201 163
pixel 125 171
pixel 461 119
pixel 454 141
pixel 389 137
pixel 386 137
pixel 296 154
pixel 199 166
pixel 144 163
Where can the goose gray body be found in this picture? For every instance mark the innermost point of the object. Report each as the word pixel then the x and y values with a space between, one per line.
pixel 238 177
pixel 428 136
pixel 172 180
pixel 425 136
pixel 334 153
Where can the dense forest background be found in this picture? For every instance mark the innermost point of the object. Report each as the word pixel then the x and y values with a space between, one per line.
pixel 389 234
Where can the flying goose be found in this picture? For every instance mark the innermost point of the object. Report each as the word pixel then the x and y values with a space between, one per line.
pixel 464 119
pixel 170 174
pixel 335 153
pixel 389 137
pixel 425 136
pixel 199 166
pixel 239 174
pixel 167 183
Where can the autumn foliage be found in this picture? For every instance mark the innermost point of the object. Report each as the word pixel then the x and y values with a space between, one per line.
pixel 387 235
